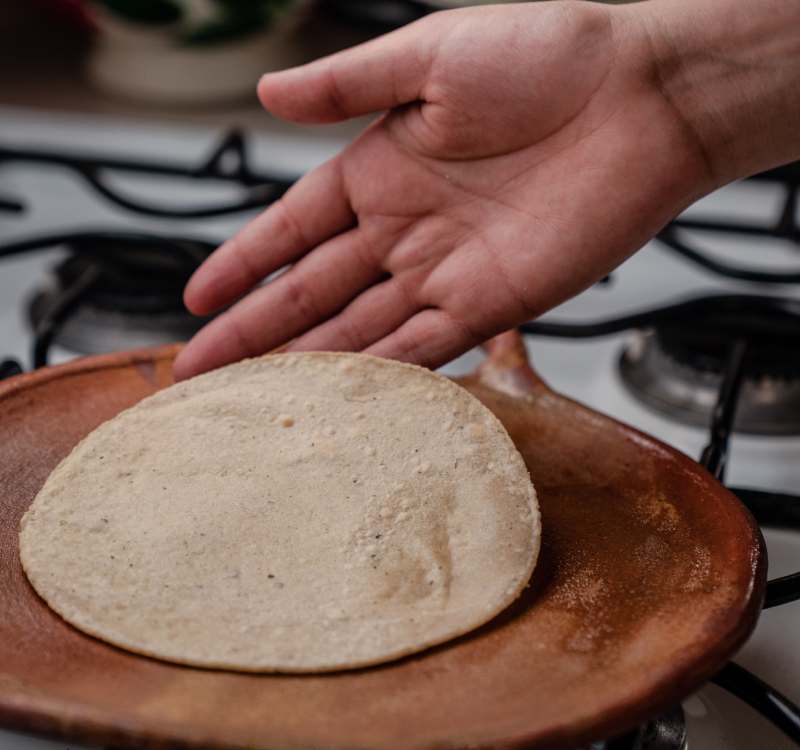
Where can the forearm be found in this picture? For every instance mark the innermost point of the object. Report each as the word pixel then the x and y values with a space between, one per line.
pixel 731 70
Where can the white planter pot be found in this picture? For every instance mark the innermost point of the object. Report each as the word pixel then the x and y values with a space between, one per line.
pixel 149 64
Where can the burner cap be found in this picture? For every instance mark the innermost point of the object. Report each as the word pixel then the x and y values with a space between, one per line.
pixel 677 367
pixel 133 278
pixel 137 300
pixel 702 336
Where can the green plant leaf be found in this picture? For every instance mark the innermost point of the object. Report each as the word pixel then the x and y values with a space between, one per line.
pixel 156 12
pixel 222 30
pixel 237 19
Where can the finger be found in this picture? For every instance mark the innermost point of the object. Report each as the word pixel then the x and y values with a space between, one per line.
pixel 316 288
pixel 381 74
pixel 312 211
pixel 368 318
pixel 430 339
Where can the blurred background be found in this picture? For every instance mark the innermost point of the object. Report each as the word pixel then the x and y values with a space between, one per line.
pixel 185 59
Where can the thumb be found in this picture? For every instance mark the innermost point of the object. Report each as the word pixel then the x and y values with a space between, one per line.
pixel 384 73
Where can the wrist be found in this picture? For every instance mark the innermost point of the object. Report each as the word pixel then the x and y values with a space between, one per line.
pixel 730 70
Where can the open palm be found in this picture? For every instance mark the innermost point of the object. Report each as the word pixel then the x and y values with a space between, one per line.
pixel 525 151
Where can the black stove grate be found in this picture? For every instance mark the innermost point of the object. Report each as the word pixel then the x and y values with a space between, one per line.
pixel 9 368
pixel 102 252
pixel 227 162
pixel 677 236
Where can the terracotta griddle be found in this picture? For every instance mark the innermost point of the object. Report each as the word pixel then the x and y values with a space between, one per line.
pixel 651 575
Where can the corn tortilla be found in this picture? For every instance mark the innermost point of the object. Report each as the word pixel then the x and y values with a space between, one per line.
pixel 292 513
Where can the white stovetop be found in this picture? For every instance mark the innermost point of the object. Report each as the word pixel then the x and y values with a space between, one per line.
pixel 583 370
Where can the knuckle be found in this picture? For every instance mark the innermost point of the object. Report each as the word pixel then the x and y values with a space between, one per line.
pixel 410 350
pixel 288 223
pixel 352 337
pixel 364 252
pixel 408 288
pixel 419 337
pixel 238 332
pixel 298 297
pixel 336 96
pixel 243 253
pixel 467 333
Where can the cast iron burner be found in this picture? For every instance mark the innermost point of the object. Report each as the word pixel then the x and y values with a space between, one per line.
pixel 106 299
pixel 677 366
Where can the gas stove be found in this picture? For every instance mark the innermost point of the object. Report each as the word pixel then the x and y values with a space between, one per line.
pixel 694 340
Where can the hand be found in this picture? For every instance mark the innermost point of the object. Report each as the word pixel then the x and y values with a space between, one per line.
pixel 526 151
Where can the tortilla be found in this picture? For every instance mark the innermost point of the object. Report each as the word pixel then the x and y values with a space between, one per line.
pixel 291 513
